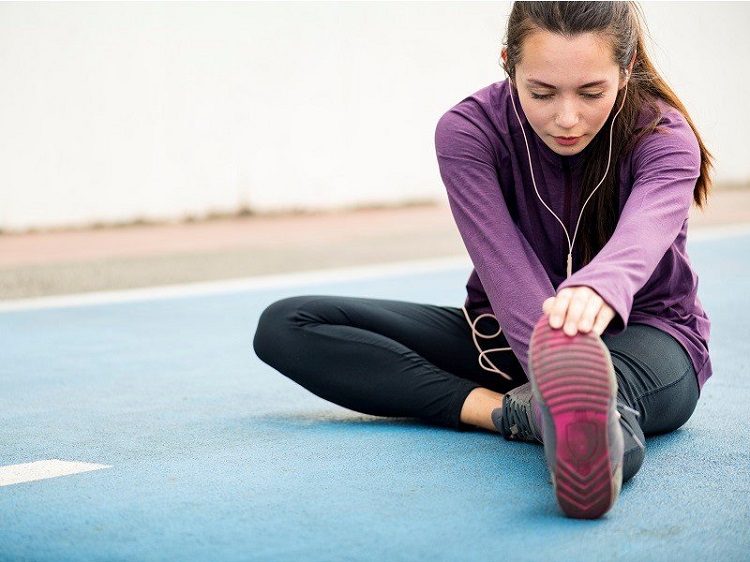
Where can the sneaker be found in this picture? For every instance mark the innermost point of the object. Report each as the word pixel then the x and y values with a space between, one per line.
pixel 519 418
pixel 573 381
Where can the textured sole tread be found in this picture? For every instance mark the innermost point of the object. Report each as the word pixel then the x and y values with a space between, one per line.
pixel 573 378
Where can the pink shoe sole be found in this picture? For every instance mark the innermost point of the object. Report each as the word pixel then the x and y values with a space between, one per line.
pixel 574 382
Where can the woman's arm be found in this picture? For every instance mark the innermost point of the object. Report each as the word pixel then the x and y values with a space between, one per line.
pixel 515 281
pixel 666 166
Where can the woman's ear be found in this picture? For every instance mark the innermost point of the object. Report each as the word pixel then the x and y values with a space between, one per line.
pixel 625 79
pixel 629 69
pixel 504 62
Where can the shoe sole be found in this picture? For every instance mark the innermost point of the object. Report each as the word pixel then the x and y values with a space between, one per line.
pixel 574 382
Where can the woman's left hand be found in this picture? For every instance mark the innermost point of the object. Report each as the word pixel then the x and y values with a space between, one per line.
pixel 578 309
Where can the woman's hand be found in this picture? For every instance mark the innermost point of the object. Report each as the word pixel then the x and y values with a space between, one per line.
pixel 579 309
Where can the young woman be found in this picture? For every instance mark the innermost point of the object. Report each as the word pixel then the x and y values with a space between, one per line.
pixel 581 287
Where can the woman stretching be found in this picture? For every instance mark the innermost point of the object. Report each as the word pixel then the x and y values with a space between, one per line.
pixel 570 183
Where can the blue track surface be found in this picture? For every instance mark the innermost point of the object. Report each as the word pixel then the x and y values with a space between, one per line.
pixel 216 456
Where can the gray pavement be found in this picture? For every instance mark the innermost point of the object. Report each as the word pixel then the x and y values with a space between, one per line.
pixel 65 262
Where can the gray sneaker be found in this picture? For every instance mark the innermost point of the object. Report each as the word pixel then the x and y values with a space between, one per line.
pixel 519 418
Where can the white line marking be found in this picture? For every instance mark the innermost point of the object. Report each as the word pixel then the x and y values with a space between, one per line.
pixel 41 470
pixel 337 275
pixel 239 285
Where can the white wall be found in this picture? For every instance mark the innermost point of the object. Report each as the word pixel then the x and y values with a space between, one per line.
pixel 114 112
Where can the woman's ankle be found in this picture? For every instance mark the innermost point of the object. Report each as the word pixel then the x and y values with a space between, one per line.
pixel 478 406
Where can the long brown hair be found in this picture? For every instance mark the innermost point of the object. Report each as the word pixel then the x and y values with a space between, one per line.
pixel 622 24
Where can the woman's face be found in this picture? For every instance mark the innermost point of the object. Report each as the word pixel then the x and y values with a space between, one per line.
pixel 568 105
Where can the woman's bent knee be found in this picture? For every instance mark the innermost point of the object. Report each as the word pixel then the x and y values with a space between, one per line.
pixel 273 322
pixel 671 408
pixel 276 325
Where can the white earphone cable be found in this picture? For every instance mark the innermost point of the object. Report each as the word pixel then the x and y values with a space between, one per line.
pixel 569 268
pixel 483 353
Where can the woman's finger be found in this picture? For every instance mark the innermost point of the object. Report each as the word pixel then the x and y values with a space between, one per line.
pixel 589 315
pixel 577 306
pixel 560 307
pixel 605 316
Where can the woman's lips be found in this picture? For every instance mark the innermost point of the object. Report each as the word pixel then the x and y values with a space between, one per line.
pixel 566 141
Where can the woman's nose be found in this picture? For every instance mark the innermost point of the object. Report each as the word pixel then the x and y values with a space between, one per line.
pixel 567 116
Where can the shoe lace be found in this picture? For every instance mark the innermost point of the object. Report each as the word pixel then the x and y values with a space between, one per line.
pixel 627 424
pixel 520 423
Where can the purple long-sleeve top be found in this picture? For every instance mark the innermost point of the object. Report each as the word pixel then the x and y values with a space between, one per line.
pixel 519 250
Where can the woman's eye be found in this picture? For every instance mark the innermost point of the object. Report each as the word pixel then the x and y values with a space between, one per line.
pixel 547 96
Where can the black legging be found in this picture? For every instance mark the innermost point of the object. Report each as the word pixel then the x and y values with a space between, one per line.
pixel 406 359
